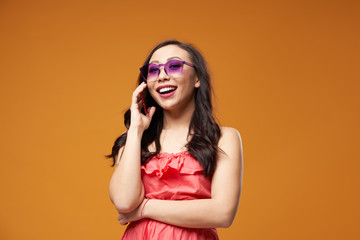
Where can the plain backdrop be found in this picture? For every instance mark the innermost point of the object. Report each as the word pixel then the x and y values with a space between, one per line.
pixel 285 75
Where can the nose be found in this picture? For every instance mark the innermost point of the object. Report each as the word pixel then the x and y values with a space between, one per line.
pixel 163 74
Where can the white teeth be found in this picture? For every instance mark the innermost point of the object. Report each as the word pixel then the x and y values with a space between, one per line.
pixel 165 89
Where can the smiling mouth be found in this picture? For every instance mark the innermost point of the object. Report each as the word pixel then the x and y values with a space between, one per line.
pixel 166 90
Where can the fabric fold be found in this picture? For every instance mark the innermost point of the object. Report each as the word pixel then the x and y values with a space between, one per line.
pixel 164 162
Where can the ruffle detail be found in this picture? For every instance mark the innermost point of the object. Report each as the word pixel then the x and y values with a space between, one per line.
pixel 182 162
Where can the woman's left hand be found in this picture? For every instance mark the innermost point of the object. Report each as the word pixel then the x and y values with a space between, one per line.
pixel 125 218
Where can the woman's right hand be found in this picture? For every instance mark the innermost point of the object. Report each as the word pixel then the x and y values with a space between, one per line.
pixel 138 120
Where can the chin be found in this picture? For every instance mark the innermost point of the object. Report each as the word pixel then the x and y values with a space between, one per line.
pixel 167 107
pixel 166 104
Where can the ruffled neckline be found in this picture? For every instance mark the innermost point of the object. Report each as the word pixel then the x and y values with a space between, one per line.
pixel 174 154
pixel 162 164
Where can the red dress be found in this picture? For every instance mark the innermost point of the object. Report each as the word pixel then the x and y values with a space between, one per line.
pixel 172 176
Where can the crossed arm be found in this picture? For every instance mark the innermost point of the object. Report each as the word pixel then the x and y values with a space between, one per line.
pixel 126 188
pixel 218 211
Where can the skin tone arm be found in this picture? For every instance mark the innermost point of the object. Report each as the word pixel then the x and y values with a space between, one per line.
pixel 126 188
pixel 220 210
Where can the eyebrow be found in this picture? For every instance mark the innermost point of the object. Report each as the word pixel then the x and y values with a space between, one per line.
pixel 156 61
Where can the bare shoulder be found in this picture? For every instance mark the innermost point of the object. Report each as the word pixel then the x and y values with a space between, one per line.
pixel 230 141
pixel 229 135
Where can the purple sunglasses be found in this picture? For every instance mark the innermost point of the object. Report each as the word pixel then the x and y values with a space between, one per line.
pixel 150 72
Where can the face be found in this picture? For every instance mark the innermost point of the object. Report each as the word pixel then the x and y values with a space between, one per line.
pixel 173 88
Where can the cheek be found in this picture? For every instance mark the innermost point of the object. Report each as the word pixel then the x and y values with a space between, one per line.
pixel 153 93
pixel 192 82
pixel 151 88
pixel 191 77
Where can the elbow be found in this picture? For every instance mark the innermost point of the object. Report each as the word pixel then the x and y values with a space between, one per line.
pixel 126 203
pixel 225 222
pixel 124 206
pixel 226 217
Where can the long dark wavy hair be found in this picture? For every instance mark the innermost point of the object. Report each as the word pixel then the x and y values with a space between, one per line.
pixel 204 131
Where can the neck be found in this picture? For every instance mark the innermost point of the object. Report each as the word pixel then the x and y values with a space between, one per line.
pixel 180 118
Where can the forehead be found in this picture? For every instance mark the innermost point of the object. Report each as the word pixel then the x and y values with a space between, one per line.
pixel 170 51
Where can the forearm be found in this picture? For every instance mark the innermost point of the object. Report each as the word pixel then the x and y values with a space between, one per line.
pixel 200 213
pixel 126 187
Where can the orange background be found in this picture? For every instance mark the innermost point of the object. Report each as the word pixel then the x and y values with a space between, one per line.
pixel 285 73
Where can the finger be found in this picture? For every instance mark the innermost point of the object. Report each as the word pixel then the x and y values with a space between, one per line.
pixel 135 96
pixel 151 111
pixel 139 103
pixel 137 92
pixel 122 222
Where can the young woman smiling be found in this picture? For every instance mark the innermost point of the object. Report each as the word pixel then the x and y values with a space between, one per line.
pixel 178 174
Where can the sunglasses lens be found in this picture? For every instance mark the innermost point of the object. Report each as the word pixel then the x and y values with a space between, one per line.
pixel 153 71
pixel 174 67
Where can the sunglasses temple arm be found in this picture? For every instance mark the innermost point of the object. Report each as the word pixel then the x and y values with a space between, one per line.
pixel 143 103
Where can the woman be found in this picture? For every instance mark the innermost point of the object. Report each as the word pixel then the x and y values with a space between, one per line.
pixel 179 175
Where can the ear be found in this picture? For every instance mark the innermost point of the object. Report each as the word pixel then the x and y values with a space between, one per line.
pixel 197 83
